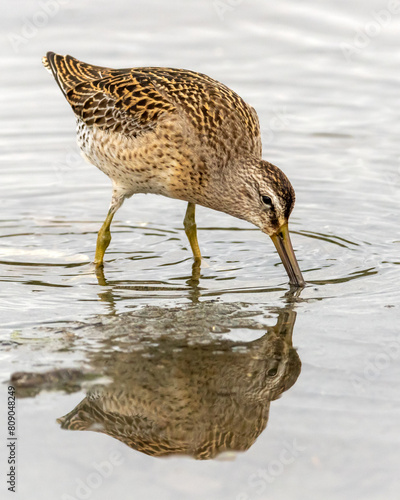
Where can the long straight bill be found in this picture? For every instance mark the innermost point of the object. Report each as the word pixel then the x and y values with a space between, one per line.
pixel 285 250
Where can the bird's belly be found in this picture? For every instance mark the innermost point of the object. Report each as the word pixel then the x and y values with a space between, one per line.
pixel 135 165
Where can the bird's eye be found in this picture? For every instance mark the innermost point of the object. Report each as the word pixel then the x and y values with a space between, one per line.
pixel 266 200
pixel 272 372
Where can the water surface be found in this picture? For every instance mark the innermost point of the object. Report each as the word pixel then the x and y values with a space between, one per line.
pixel 327 99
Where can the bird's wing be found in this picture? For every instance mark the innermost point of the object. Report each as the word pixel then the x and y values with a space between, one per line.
pixel 132 101
pixel 122 101
pixel 215 111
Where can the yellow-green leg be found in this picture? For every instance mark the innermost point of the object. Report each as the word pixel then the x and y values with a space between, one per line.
pixel 104 235
pixel 189 224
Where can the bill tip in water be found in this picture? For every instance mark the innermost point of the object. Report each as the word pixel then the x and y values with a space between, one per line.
pixel 285 250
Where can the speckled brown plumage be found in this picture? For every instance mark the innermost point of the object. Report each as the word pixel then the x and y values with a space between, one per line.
pixel 133 101
pixel 176 133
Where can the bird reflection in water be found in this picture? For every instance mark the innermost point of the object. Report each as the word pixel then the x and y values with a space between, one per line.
pixel 185 395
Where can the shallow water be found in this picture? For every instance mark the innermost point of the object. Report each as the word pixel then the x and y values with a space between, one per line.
pixel 190 358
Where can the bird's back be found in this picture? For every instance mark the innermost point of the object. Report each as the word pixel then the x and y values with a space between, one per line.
pixel 157 130
pixel 133 101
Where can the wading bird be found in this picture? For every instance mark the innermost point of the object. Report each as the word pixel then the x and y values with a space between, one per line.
pixel 179 134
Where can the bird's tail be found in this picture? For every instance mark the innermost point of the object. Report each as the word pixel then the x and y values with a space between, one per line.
pixel 70 72
pixel 55 64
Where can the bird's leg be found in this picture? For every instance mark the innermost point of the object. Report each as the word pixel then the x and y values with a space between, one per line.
pixel 189 224
pixel 104 235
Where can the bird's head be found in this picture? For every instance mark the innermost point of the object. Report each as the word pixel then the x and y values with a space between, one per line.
pixel 266 199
